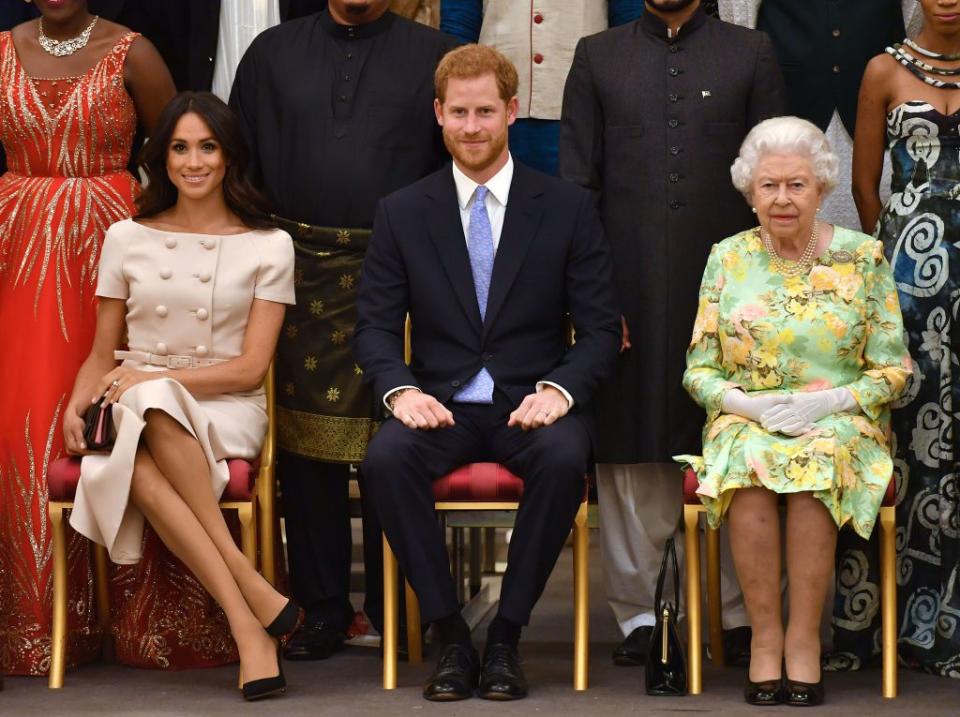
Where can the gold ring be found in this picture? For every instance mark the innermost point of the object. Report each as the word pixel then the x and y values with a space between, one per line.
pixel 115 384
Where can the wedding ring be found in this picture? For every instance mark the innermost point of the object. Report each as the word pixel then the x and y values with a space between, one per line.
pixel 115 384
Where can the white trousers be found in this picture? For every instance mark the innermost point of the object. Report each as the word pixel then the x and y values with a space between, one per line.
pixel 640 508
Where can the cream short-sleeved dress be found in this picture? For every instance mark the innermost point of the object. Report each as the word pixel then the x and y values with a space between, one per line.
pixel 187 295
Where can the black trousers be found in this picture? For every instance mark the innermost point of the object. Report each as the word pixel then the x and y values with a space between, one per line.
pixel 319 542
pixel 401 463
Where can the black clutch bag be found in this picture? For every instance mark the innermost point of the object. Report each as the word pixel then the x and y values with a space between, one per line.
pixel 666 669
pixel 98 426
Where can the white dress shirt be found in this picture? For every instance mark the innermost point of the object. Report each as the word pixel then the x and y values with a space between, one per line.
pixel 498 192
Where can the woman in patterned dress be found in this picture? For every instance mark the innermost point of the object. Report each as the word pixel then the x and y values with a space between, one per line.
pixel 67 116
pixel 796 353
pixel 910 105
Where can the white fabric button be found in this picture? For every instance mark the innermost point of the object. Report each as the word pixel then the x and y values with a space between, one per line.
pixel 166 272
pixel 209 243
pixel 170 242
pixel 161 310
pixel 204 276
pixel 201 350
pixel 161 348
pixel 202 314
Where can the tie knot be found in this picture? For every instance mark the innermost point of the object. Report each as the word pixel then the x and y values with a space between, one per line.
pixel 480 194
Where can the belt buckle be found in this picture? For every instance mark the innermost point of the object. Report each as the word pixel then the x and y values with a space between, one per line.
pixel 179 362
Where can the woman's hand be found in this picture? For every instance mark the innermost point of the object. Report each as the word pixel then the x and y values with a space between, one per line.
pixel 73 430
pixel 800 414
pixel 119 380
pixel 753 407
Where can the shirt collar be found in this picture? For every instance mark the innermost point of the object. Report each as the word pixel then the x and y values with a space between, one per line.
pixel 355 32
pixel 653 25
pixel 498 185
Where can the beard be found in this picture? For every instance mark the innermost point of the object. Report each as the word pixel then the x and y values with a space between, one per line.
pixel 475 161
pixel 670 5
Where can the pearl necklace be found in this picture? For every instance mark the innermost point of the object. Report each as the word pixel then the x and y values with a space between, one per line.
pixel 62 48
pixel 802 265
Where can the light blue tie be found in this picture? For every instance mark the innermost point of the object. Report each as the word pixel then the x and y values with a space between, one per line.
pixel 479 389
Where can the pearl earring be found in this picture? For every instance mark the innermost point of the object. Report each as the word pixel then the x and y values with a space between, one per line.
pixel 753 209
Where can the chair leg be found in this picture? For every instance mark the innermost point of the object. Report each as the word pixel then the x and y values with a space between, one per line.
pixel 581 600
pixel 888 604
pixel 267 522
pixel 414 637
pixel 248 532
pixel 102 577
pixel 714 600
pixel 390 615
pixel 58 647
pixel 476 555
pixel 691 536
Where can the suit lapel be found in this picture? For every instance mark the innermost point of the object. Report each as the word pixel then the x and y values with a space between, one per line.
pixel 446 232
pixel 520 224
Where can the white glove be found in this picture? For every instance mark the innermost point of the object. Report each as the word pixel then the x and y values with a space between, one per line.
pixel 753 407
pixel 802 411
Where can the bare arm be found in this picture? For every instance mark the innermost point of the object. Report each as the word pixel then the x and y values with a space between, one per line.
pixel 148 81
pixel 869 142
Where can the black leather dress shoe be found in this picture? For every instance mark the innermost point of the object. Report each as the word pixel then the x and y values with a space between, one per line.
pixel 314 641
pixel 803 694
pixel 501 677
pixel 633 650
pixel 456 675
pixel 736 646
pixel 768 692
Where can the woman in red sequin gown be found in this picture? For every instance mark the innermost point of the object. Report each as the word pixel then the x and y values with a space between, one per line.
pixel 66 124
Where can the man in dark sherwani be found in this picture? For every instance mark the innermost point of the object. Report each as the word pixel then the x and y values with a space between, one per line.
pixel 653 116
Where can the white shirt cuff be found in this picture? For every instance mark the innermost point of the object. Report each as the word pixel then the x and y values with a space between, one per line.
pixel 561 389
pixel 388 394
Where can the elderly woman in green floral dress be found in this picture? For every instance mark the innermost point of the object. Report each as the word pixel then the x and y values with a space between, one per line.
pixel 797 352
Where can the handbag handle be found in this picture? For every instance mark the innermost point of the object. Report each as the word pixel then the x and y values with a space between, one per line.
pixel 669 561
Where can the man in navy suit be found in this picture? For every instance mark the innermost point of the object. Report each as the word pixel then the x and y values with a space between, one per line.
pixel 491 260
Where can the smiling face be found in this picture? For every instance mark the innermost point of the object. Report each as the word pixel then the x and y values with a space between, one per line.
pixel 475 120
pixel 786 195
pixel 195 161
pixel 941 15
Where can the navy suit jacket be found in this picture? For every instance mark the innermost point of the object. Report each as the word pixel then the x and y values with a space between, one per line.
pixel 552 266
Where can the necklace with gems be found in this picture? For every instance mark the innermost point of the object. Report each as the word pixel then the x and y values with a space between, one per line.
pixel 802 265
pixel 927 53
pixel 62 48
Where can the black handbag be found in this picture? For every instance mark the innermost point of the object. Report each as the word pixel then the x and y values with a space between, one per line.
pixel 98 426
pixel 666 664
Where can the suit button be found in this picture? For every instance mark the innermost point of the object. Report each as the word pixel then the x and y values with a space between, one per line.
pixel 170 243
pixel 204 276
pixel 161 310
pixel 673 124
pixel 836 69
pixel 674 204
pixel 674 177
pixel 673 71
pixel 674 98
pixel 674 48
pixel 209 243
pixel 487 357
pixel 160 348
pixel 201 350
pixel 836 32
pixel 538 58
pixel 455 383
pixel 674 150
pixel 166 273
pixel 202 314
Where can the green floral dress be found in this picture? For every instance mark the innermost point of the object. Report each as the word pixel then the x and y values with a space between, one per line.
pixel 761 331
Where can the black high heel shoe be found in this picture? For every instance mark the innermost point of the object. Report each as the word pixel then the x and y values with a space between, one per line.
pixel 266 686
pixel 765 693
pixel 804 694
pixel 285 622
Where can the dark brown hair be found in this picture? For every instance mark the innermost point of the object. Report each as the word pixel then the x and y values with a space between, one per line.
pixel 241 195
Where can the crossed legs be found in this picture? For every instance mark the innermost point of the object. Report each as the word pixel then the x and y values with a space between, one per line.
pixel 171 486
pixel 811 537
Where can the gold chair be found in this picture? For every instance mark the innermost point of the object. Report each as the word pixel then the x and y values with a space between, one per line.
pixel 692 509
pixel 251 491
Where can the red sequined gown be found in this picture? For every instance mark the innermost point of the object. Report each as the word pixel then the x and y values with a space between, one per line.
pixel 67 143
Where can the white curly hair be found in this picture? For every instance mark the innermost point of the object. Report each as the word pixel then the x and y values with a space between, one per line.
pixel 785 135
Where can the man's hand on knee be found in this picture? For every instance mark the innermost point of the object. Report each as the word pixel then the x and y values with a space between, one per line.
pixel 421 411
pixel 540 409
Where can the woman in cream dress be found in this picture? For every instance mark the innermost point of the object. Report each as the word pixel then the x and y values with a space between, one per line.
pixel 200 282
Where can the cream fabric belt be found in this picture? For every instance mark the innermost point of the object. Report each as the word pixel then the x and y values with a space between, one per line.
pixel 169 361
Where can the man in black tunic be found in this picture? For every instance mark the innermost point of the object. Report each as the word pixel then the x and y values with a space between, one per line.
pixel 653 116
pixel 338 107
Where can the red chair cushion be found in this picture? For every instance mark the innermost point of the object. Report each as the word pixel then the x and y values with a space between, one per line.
pixel 64 474
pixel 690 484
pixel 478 482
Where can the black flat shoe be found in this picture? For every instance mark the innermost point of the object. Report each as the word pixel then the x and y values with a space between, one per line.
pixel 266 686
pixel 766 693
pixel 286 621
pixel 456 675
pixel 633 650
pixel 502 677
pixel 314 641
pixel 803 694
